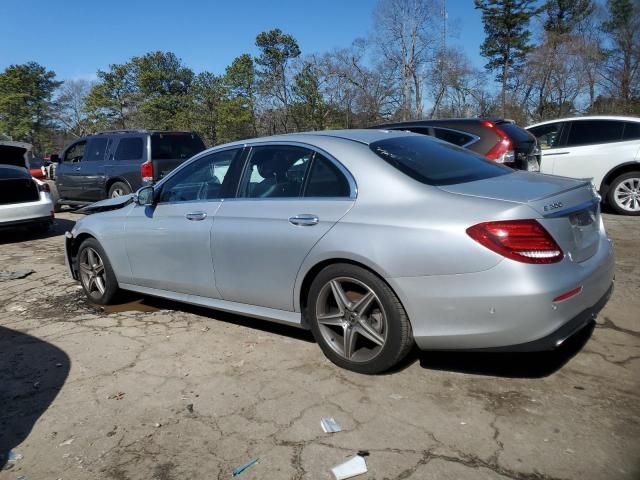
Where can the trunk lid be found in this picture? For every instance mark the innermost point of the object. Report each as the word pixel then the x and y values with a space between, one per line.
pixel 15 153
pixel 569 209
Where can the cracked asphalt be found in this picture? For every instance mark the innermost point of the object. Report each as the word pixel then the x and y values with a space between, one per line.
pixel 161 390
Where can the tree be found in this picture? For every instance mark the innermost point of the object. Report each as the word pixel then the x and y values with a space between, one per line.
pixel 240 79
pixel 309 108
pixel 621 72
pixel 70 107
pixel 405 33
pixel 113 101
pixel 25 103
pixel 507 38
pixel 207 95
pixel 277 49
pixel 163 84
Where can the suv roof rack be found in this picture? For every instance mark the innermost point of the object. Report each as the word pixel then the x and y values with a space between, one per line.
pixel 130 130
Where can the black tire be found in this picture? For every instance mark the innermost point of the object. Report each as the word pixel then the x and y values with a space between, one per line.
pixel 55 196
pixel 613 200
pixel 118 189
pixel 111 289
pixel 398 339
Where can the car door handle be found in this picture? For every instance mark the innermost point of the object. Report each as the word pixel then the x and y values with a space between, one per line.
pixel 304 220
pixel 77 169
pixel 555 153
pixel 196 216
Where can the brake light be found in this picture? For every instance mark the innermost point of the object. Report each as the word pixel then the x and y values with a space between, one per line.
pixel 44 187
pixel 146 170
pixel 522 240
pixel 501 152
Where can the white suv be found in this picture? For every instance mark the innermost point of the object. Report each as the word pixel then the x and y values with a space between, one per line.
pixel 605 149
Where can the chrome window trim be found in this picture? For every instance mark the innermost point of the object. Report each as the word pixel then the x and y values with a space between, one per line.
pixel 353 186
pixel 194 159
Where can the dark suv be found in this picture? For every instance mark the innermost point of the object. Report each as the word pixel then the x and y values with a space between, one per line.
pixel 114 163
pixel 499 140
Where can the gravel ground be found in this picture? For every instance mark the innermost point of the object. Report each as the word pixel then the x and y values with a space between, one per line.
pixel 161 390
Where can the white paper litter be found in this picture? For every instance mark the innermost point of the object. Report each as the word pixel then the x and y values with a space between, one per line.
pixel 351 468
pixel 329 425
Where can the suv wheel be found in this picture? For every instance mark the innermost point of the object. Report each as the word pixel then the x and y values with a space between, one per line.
pixel 357 320
pixel 624 194
pixel 96 275
pixel 119 189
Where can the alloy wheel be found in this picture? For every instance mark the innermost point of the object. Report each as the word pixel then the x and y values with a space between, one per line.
pixel 92 272
pixel 627 194
pixel 117 192
pixel 351 319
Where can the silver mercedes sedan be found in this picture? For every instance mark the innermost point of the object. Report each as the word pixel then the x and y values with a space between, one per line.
pixel 374 240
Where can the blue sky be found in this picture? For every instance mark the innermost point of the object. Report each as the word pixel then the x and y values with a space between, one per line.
pixel 75 38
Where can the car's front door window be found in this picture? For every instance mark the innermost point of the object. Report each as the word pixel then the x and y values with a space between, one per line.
pixel 75 153
pixel 208 178
pixel 275 171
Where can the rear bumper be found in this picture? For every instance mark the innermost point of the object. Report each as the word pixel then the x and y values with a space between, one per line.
pixel 16 214
pixel 509 307
pixel 557 338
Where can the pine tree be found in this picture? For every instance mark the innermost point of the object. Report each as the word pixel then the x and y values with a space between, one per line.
pixel 507 37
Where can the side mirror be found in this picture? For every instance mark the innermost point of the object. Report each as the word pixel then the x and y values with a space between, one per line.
pixel 54 158
pixel 145 196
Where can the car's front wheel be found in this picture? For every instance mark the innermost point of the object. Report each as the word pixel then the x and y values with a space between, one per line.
pixel 95 272
pixel 624 194
pixel 357 319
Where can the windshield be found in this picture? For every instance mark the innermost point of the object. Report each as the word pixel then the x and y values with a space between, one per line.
pixel 436 163
pixel 165 146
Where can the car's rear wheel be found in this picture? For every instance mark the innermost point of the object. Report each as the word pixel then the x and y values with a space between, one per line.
pixel 357 319
pixel 118 189
pixel 624 194
pixel 96 274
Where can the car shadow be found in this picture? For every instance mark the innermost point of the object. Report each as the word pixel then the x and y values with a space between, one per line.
pixel 507 364
pixel 23 234
pixel 136 302
pixel 32 372
pixel 502 364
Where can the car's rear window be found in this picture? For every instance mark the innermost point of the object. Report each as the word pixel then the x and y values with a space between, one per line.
pixel 436 163
pixel 166 146
pixel 515 132
pixel 13 172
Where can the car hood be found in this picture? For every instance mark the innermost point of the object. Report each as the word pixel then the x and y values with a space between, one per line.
pixel 108 204
pixel 543 192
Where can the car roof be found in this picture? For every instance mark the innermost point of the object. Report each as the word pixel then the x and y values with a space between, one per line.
pixel 364 136
pixel 588 117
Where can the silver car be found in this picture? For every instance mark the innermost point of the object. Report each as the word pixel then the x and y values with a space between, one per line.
pixel 24 201
pixel 374 240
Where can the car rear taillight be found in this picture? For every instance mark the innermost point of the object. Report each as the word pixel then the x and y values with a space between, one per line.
pixel 146 170
pixel 521 240
pixel 44 187
pixel 501 152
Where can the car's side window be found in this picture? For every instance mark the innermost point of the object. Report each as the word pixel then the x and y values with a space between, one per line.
pixel 275 171
pixel 326 180
pixel 75 153
pixel 452 136
pixel 208 178
pixel 95 149
pixel 631 131
pixel 547 135
pixel 421 130
pixel 589 132
pixel 129 148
